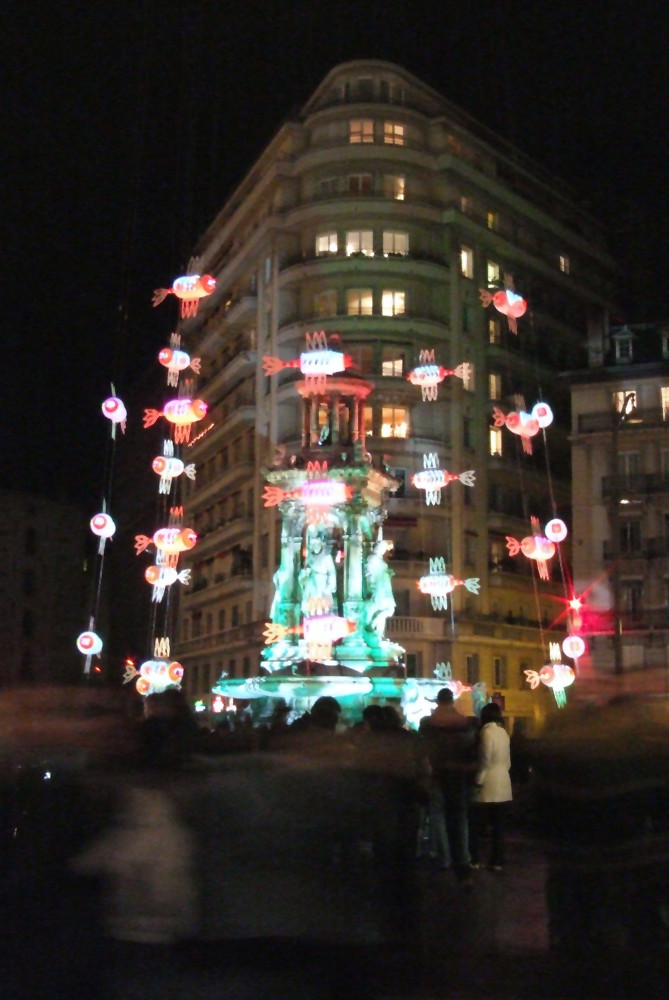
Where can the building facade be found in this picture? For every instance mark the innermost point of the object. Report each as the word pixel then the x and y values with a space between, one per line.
pixel 377 215
pixel 620 419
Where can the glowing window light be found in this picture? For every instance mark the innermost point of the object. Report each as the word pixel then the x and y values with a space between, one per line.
pixel 394 422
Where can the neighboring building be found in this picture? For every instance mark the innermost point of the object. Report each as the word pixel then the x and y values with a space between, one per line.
pixel 378 214
pixel 620 454
pixel 43 589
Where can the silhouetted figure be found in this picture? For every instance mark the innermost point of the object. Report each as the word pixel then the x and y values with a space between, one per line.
pixel 493 787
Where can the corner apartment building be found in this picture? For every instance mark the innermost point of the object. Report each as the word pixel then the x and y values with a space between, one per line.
pixel 377 214
pixel 620 442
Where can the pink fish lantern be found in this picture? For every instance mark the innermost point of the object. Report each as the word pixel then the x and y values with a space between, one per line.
pixel 556 676
pixel 181 412
pixel 103 526
pixel 114 409
pixel 507 302
pixel 190 289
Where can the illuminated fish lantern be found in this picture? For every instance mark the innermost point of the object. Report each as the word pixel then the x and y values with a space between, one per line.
pixel 170 542
pixel 438 584
pixel 433 480
pixel 168 467
pixel 444 674
pixel 177 361
pixel 320 632
pixel 539 547
pixel 182 413
pixel 103 526
pixel 316 362
pixel 428 374
pixel 190 289
pixel 114 410
pixel 526 425
pixel 318 493
pixel 556 676
pixel 162 576
pixel 90 644
pixel 154 676
pixel 506 302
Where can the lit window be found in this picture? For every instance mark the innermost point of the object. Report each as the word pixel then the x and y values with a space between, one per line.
pixel 328 187
pixel 564 263
pixel 395 243
pixel 624 401
pixel 466 262
pixel 392 303
pixel 393 187
pixel 359 302
pixel 360 241
pixel 468 378
pixel 361 130
pixel 665 344
pixel 392 362
pixel 465 205
pixel 359 183
pixel 393 133
pixel 492 272
pixel 325 304
pixel 326 243
pixel 368 420
pixel 495 440
pixel 664 399
pixel 495 385
pixel 492 220
pixel 494 331
pixel 394 422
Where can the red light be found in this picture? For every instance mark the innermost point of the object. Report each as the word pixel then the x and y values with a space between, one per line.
pixel 575 603
pixel 98 670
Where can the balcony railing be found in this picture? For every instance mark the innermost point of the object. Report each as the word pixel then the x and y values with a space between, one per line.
pixel 645 548
pixel 652 417
pixel 640 483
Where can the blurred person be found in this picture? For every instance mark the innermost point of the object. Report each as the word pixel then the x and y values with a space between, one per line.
pixel 450 745
pixel 492 786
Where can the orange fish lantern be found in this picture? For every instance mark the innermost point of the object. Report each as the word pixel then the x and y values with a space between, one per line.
pixel 438 584
pixel 433 480
pixel 320 632
pixel 428 374
pixel 154 676
pixel 90 644
pixel 177 361
pixel 190 289
pixel 506 302
pixel 537 546
pixel 161 576
pixel 114 410
pixel 103 526
pixel 170 542
pixel 526 425
pixel 556 676
pixel 182 412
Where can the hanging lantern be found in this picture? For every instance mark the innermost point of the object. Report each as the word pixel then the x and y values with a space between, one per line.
pixel 317 361
pixel 573 646
pixel 190 289
pixel 168 467
pixel 90 644
pixel 103 526
pixel 177 361
pixel 428 374
pixel 114 410
pixel 182 413
pixel 556 676
pixel 169 541
pixel 438 584
pixel 154 676
pixel 537 546
pixel 506 302
pixel 161 577
pixel 433 480
pixel 526 425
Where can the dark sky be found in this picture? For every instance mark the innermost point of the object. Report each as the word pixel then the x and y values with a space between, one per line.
pixel 125 125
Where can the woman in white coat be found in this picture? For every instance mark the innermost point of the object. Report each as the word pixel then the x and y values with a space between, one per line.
pixel 492 786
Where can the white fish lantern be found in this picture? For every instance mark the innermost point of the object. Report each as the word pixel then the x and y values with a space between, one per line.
pixel 90 644
pixel 103 526
pixel 556 676
pixel 168 467
pixel 155 676
pixel 114 409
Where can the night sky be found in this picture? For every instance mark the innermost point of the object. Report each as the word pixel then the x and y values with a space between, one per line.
pixel 126 125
